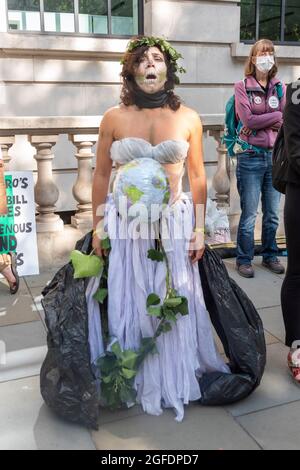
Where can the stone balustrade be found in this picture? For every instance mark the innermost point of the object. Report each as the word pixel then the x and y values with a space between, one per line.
pixel 43 133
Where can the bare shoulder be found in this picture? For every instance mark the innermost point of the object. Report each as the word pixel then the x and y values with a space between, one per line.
pixel 190 114
pixel 192 118
pixel 111 114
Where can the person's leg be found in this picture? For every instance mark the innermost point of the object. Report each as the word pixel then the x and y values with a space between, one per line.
pixel 250 172
pixel 5 269
pixel 290 293
pixel 270 210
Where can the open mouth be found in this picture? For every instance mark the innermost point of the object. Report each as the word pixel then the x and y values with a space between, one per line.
pixel 151 76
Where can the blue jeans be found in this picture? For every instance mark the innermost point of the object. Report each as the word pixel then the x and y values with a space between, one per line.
pixel 254 178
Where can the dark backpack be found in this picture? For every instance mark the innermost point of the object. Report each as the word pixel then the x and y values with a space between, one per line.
pixel 280 163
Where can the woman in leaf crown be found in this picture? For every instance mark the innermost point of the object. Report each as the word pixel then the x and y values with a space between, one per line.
pixel 155 300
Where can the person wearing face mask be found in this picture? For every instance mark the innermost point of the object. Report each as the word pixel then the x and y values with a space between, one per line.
pixel 152 123
pixel 259 103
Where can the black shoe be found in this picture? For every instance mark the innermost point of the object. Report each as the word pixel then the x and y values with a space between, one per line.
pixel 245 270
pixel 15 287
pixel 275 266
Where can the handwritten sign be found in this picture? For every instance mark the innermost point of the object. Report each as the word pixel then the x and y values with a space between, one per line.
pixel 17 227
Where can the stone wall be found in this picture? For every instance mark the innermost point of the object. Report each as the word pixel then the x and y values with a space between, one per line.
pixel 49 75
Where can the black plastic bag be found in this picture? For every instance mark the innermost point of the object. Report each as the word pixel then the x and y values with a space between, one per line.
pixel 240 329
pixel 68 384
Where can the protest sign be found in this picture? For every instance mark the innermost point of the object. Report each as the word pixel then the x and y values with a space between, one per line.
pixel 17 227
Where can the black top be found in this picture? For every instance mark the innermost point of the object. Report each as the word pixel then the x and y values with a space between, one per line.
pixel 265 88
pixel 291 125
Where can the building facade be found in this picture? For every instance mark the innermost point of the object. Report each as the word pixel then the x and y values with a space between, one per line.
pixel 61 58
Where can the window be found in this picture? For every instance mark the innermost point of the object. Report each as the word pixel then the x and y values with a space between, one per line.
pixel 24 14
pixel 278 20
pixel 90 17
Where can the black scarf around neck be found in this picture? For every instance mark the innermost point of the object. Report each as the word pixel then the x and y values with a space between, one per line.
pixel 150 100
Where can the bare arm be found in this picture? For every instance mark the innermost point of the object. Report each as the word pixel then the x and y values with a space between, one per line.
pixel 197 179
pixel 102 176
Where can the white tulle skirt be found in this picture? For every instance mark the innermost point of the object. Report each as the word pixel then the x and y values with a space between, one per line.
pixel 168 379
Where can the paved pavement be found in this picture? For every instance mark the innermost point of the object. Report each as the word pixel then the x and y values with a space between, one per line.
pixel 268 419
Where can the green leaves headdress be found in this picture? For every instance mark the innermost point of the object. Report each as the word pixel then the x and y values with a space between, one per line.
pixel 163 45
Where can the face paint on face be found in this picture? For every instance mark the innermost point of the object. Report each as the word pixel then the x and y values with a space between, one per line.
pixel 151 72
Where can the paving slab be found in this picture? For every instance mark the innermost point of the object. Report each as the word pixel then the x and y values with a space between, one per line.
pixel 27 424
pixel 273 322
pixel 264 289
pixel 275 429
pixel 276 388
pixel 202 428
pixel 16 309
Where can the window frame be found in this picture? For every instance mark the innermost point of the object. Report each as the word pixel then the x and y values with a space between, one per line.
pixel 282 41
pixel 76 33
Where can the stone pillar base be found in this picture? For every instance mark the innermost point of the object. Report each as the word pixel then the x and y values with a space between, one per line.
pixel 51 226
pixel 82 223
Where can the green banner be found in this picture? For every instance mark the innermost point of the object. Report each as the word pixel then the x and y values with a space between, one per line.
pixel 8 240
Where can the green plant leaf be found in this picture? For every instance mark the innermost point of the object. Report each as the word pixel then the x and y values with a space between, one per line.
pixel 86 265
pixel 105 244
pixel 129 359
pixel 106 379
pixel 173 302
pixel 128 373
pixel 100 295
pixel 155 255
pixel 154 311
pixel 170 315
pixel 183 308
pixel 107 363
pixel 153 299
pixel 116 349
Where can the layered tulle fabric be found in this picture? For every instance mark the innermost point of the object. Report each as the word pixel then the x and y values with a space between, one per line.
pixel 169 378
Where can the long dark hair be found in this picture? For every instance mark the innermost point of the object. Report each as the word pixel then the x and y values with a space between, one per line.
pixel 130 61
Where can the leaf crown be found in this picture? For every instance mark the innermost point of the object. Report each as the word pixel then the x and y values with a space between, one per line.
pixel 163 45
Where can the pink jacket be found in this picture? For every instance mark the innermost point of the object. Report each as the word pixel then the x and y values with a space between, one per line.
pixel 261 112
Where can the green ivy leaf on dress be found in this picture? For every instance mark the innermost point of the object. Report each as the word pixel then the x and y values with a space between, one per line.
pixel 153 299
pixel 86 265
pixel 105 244
pixel 101 295
pixel 155 255
pixel 154 311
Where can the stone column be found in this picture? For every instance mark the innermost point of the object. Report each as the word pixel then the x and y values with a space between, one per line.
pixel 82 189
pixel 45 191
pixel 221 181
pixel 6 143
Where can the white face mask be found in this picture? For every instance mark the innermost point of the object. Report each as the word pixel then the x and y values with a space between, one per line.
pixel 265 63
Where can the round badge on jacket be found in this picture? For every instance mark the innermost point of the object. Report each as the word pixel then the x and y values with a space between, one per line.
pixel 257 100
pixel 273 102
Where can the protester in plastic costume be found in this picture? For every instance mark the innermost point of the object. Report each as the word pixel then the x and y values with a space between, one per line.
pixel 129 319
pixel 259 100
pixel 151 125
pixel 7 260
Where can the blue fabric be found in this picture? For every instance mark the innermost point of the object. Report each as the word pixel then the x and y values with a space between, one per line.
pixel 254 179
